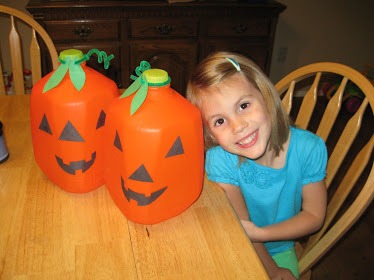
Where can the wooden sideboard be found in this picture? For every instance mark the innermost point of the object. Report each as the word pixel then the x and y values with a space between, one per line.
pixel 174 37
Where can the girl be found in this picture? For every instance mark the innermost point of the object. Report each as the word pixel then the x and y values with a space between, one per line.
pixel 270 170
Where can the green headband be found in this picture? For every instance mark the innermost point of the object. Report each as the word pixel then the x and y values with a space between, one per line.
pixel 233 62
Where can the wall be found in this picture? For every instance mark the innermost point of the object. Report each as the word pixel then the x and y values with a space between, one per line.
pixel 321 30
pixel 24 31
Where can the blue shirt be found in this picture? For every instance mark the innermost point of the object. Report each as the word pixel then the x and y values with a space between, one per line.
pixel 272 195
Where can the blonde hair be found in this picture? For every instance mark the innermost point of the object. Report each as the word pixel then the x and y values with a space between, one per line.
pixel 216 68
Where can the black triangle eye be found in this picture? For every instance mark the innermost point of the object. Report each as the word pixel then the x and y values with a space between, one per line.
pixel 70 133
pixel 44 125
pixel 176 149
pixel 101 120
pixel 117 142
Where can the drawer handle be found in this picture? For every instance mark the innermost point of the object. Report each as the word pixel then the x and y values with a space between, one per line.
pixel 83 32
pixel 241 28
pixel 164 29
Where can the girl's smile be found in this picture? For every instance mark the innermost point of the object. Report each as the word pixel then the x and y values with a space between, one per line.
pixel 249 140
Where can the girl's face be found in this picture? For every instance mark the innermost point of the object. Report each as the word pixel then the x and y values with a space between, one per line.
pixel 234 111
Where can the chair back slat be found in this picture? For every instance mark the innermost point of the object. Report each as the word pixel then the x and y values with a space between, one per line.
pixel 344 143
pixel 35 58
pixel 331 112
pixel 308 104
pixel 287 99
pixel 16 57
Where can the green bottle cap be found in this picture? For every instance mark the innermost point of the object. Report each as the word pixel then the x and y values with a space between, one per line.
pixel 156 77
pixel 73 54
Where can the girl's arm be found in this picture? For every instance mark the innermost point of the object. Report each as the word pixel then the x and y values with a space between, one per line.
pixel 237 201
pixel 309 220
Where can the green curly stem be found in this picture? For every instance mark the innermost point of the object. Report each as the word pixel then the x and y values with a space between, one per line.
pixel 101 55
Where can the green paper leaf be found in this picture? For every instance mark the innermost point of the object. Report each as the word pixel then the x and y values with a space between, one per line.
pixel 139 98
pixel 56 77
pixel 132 88
pixel 77 76
pixel 139 87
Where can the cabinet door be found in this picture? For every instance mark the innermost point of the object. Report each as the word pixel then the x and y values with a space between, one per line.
pixel 175 57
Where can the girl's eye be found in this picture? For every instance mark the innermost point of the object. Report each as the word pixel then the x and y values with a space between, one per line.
pixel 219 122
pixel 244 106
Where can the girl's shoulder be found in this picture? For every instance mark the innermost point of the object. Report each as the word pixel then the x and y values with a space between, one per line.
pixel 221 166
pixel 218 153
pixel 305 142
pixel 304 136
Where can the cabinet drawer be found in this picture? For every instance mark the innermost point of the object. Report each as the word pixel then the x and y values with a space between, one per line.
pixel 83 30
pixel 237 27
pixel 159 27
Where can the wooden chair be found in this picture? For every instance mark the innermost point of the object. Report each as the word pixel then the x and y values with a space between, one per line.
pixel 350 171
pixel 15 49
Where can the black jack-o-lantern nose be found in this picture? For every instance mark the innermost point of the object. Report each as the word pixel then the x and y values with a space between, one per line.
pixel 70 133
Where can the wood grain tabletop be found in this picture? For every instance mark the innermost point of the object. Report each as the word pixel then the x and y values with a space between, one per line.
pixel 47 233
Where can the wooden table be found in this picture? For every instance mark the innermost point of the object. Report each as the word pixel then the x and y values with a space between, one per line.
pixel 47 233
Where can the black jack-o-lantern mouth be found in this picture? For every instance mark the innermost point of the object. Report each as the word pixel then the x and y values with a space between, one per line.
pixel 141 198
pixel 141 174
pixel 76 165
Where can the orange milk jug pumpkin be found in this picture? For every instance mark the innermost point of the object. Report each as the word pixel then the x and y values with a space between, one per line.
pixel 67 111
pixel 154 149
